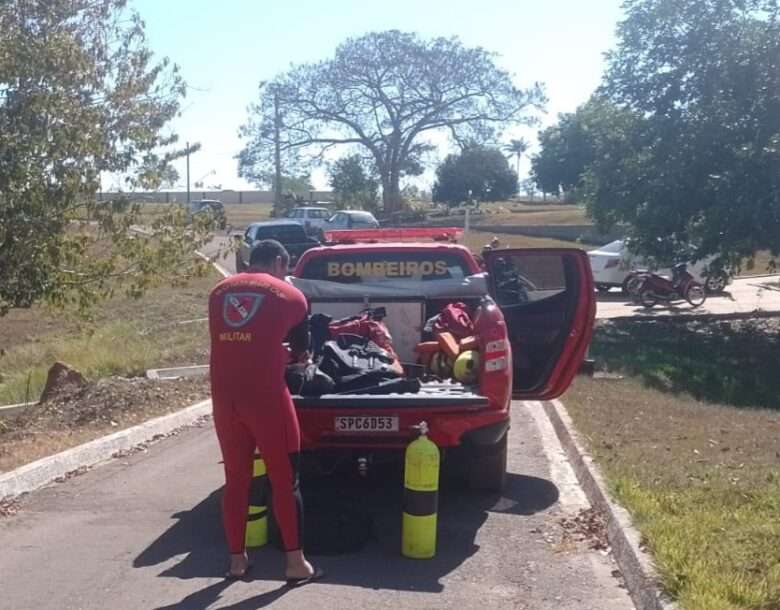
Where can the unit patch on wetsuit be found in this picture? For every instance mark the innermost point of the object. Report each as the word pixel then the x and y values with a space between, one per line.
pixel 238 308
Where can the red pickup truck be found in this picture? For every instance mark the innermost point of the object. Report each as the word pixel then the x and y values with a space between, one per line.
pixel 533 312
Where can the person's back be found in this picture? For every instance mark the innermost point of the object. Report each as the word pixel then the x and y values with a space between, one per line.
pixel 250 314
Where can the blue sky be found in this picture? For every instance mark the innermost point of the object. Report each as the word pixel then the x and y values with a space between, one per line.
pixel 224 49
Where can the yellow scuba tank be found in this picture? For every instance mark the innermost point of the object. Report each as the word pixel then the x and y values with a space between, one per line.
pixel 421 497
pixel 257 519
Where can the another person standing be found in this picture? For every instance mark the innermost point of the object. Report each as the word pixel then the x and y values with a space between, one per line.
pixel 250 316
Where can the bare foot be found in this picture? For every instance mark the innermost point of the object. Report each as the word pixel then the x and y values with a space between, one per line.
pixel 239 564
pixel 297 566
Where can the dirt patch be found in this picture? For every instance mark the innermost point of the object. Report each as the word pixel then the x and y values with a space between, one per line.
pixel 78 415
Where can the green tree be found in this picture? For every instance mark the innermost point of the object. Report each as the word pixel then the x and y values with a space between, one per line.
pixel 386 92
pixel 700 166
pixel 80 96
pixel 478 173
pixel 353 185
pixel 569 147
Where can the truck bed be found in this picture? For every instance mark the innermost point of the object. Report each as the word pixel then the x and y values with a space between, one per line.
pixel 431 394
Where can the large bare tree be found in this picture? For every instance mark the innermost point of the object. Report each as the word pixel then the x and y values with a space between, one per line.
pixel 384 92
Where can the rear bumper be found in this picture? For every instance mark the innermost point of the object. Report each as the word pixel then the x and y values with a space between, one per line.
pixel 448 427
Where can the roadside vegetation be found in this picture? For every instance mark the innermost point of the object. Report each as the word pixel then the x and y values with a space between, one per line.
pixel 687 430
pixel 127 336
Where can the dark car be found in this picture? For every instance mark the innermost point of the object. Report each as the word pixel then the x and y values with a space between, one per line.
pixel 208 206
pixel 289 233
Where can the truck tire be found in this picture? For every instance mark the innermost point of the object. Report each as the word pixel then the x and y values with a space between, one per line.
pixel 486 466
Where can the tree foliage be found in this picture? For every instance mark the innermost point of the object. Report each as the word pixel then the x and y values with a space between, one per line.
pixel 478 173
pixel 568 148
pixel 385 92
pixel 354 186
pixel 80 95
pixel 700 165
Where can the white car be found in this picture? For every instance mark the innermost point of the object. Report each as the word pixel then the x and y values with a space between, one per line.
pixel 312 218
pixel 612 263
pixel 351 219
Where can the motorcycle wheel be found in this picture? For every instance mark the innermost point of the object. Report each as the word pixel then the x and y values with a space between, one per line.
pixel 715 283
pixel 647 298
pixel 633 284
pixel 695 294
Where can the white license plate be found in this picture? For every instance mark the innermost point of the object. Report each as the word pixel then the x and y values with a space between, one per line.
pixel 366 423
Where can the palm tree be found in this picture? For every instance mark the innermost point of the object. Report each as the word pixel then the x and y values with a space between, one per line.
pixel 517 148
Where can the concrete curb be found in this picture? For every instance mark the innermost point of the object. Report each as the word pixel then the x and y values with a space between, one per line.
pixel 636 566
pixel 8 410
pixel 32 476
pixel 177 372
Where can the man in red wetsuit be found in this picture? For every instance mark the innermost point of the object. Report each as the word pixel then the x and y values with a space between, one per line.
pixel 250 315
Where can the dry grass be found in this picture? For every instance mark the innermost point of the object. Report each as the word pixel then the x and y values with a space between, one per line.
pixel 475 240
pixel 240 215
pixel 510 213
pixel 533 215
pixel 700 477
pixel 127 337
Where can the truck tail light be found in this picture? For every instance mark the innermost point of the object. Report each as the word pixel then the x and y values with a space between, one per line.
pixel 499 345
pixel 495 364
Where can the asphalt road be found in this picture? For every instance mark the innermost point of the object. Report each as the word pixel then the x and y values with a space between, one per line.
pixel 144 532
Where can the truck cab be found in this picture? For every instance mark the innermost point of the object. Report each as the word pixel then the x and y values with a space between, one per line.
pixel 533 312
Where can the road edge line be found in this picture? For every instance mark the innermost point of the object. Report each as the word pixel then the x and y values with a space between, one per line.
pixel 220 269
pixel 40 473
pixel 638 571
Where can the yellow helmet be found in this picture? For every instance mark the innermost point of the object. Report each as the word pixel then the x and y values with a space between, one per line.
pixel 441 365
pixel 466 367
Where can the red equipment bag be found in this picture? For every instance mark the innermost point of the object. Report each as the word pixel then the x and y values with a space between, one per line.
pixel 455 319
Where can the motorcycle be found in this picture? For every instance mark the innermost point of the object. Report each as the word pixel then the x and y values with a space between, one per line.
pixel 633 283
pixel 655 288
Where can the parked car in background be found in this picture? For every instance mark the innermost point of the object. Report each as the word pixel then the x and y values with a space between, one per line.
pixel 350 219
pixel 287 232
pixel 208 206
pixel 312 218
pixel 613 262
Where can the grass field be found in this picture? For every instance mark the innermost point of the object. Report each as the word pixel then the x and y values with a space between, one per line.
pixel 475 240
pixel 523 214
pixel 128 337
pixel 691 446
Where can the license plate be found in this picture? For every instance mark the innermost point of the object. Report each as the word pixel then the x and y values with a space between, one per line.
pixel 366 423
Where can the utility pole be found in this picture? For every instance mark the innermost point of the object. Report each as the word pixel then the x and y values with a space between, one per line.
pixel 277 158
pixel 188 173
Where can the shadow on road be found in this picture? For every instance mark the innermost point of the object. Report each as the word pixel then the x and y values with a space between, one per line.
pixel 329 501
